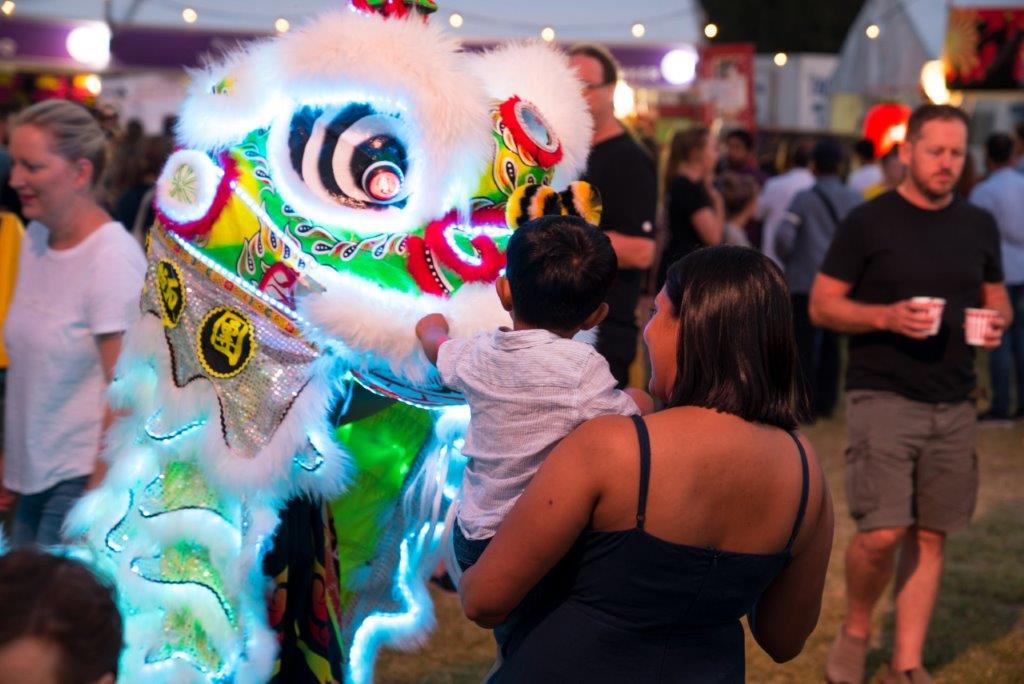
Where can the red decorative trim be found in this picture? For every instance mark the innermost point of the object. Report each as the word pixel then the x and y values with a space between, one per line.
pixel 422 267
pixel 193 229
pixel 490 216
pixel 510 116
pixel 395 9
pixel 492 260
pixel 284 291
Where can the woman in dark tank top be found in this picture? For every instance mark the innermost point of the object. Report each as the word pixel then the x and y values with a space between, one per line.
pixel 656 535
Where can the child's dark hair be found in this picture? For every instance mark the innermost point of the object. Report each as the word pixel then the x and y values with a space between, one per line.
pixel 559 270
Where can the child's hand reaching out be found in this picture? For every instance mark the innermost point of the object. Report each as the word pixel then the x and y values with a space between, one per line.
pixel 432 331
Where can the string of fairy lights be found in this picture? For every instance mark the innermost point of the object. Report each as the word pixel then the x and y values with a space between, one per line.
pixel 191 13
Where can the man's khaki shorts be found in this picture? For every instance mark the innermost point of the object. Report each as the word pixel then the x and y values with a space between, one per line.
pixel 910 463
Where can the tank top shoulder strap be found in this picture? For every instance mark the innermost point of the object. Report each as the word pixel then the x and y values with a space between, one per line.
pixel 645 469
pixel 804 487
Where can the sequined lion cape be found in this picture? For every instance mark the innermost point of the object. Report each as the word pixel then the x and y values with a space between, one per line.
pixel 332 186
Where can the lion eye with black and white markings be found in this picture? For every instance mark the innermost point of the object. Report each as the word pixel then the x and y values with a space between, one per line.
pixel 354 155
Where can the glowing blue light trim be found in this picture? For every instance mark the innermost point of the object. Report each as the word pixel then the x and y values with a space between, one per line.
pixel 235 280
pixel 311 465
pixel 367 637
pixel 176 434
pixel 115 546
pixel 224 674
pixel 222 600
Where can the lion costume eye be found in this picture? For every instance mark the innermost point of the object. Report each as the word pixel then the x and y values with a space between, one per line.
pixel 354 156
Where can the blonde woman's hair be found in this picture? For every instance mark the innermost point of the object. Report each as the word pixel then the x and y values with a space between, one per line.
pixel 76 134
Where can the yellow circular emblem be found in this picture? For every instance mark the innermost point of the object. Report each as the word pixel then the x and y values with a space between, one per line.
pixel 170 288
pixel 225 341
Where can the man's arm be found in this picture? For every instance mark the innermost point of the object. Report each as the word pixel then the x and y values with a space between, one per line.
pixel 632 251
pixel 831 307
pixel 995 297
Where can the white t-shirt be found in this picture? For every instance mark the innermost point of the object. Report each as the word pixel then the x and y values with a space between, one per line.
pixel 865 177
pixel 55 385
pixel 526 390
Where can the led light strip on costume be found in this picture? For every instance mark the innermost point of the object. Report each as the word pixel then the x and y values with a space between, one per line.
pixel 235 280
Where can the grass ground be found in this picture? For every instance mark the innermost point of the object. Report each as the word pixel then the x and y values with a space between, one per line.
pixel 977 633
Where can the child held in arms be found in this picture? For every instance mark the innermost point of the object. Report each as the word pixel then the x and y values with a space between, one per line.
pixel 530 386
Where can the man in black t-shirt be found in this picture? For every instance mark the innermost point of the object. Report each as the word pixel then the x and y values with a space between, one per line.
pixel 624 175
pixel 911 470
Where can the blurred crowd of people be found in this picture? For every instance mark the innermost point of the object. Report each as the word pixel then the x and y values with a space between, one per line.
pixel 712 190
pixel 855 235
pixel 133 165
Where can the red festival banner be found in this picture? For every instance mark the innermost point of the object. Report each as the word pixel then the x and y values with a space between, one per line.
pixel 985 48
pixel 725 76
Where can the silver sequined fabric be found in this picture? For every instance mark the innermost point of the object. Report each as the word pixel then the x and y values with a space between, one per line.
pixel 256 400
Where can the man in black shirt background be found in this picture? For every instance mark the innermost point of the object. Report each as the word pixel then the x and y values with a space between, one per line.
pixel 911 469
pixel 623 173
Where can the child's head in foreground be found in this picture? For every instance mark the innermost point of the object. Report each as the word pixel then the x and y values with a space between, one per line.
pixel 558 273
pixel 59 623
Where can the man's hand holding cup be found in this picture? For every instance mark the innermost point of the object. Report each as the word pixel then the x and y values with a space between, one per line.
pixel 984 328
pixel 914 318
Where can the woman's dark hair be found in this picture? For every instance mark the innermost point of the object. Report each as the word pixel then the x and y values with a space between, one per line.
pixel 59 601
pixel 680 148
pixel 736 352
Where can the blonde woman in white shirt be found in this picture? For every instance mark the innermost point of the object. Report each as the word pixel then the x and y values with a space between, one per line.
pixel 79 278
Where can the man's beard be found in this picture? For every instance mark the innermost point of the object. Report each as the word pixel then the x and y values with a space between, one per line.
pixel 923 188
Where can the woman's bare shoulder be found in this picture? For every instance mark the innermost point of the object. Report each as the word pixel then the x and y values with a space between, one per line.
pixel 601 433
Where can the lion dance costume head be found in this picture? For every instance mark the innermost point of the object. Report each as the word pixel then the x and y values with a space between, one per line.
pixel 332 186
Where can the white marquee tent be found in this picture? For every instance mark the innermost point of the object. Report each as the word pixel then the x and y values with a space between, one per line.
pixel 911 32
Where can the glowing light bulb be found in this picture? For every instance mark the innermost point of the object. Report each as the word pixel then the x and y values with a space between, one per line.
pixel 711 30
pixel 93 84
pixel 933 81
pixel 7 7
pixel 872 31
pixel 189 15
pixel 282 25
pixel 455 20
pixel 780 59
pixel 623 101
pixel 638 30
pixel 90 44
pixel 679 66
pixel 547 33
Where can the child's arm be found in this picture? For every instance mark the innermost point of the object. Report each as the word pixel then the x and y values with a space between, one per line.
pixel 432 331
pixel 643 400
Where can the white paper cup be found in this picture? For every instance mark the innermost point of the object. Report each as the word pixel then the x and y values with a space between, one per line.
pixel 934 306
pixel 977 324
